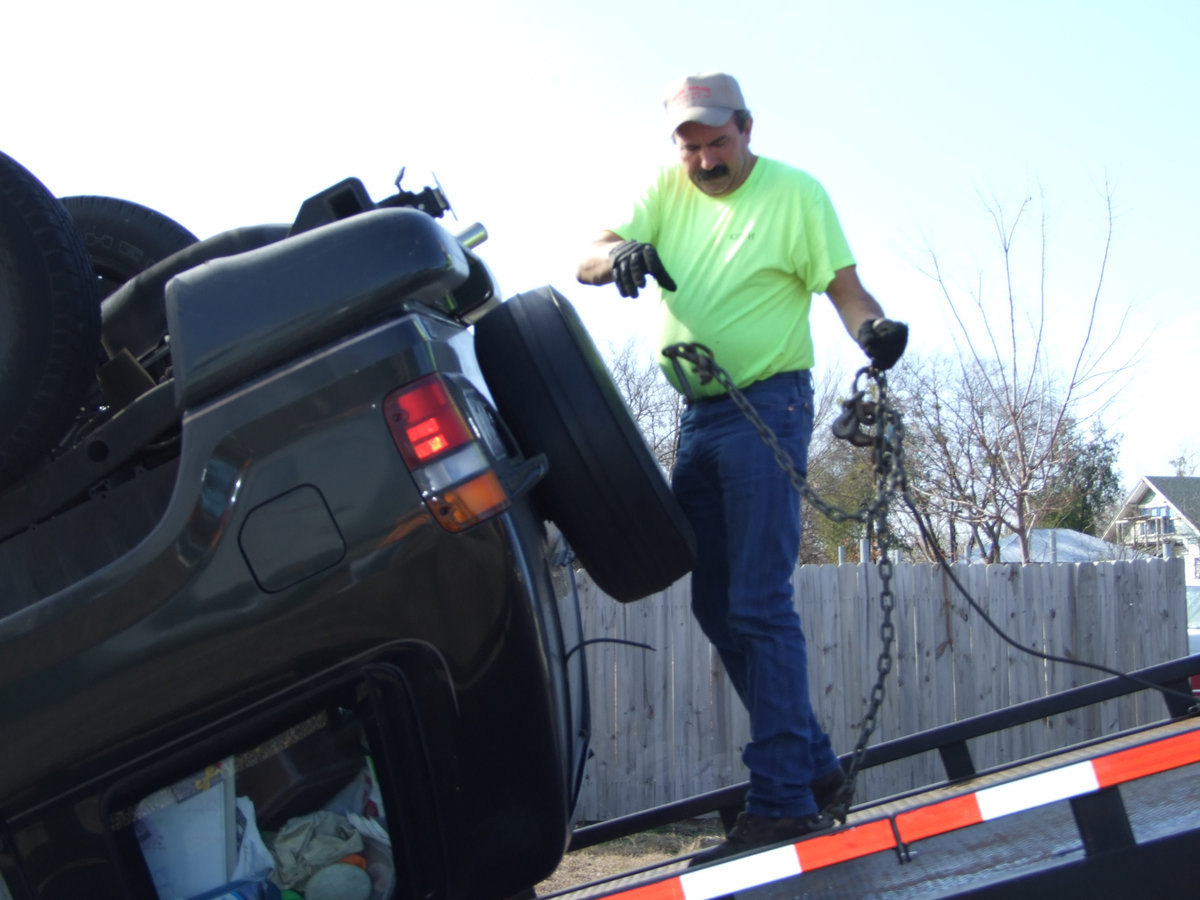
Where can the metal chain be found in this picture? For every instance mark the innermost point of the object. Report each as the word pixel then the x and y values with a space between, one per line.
pixel 890 481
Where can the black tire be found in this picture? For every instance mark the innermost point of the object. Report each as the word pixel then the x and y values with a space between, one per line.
pixel 605 490
pixel 49 320
pixel 124 238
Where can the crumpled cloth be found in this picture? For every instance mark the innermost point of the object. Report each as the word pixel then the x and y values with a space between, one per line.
pixel 311 842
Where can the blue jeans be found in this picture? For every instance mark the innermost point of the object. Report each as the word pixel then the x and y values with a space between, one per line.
pixel 746 515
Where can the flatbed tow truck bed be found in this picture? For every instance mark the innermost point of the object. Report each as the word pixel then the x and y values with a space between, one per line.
pixel 1117 817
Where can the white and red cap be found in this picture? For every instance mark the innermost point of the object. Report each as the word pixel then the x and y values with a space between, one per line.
pixel 710 99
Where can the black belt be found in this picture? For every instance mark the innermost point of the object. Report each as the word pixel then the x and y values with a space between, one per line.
pixel 696 401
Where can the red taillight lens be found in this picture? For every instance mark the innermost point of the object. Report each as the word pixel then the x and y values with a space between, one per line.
pixel 446 459
pixel 424 422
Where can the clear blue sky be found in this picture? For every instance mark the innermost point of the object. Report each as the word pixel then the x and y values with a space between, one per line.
pixel 539 117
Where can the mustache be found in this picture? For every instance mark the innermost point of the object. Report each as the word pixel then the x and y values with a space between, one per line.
pixel 715 172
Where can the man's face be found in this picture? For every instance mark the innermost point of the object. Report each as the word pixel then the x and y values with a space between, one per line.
pixel 717 159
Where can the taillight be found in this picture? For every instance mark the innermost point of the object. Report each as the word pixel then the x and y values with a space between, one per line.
pixel 447 459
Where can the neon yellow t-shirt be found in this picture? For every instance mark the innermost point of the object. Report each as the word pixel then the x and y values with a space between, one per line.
pixel 746 266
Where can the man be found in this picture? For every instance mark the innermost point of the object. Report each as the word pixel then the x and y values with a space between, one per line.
pixel 738 244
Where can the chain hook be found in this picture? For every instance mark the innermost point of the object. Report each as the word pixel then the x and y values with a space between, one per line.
pixel 858 414
pixel 703 362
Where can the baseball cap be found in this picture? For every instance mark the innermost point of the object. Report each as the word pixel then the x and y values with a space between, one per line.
pixel 710 99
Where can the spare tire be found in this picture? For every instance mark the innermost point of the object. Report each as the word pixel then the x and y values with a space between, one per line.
pixel 124 238
pixel 49 320
pixel 604 490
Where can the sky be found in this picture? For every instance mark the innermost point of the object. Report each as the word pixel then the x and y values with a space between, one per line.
pixel 542 119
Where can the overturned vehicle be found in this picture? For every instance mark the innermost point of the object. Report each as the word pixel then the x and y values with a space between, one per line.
pixel 288 522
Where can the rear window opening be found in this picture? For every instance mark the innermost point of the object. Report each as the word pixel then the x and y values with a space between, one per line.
pixel 301 812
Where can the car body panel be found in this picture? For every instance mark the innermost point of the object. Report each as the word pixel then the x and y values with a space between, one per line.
pixel 294 555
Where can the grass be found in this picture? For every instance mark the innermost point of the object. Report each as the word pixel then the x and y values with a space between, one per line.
pixel 623 854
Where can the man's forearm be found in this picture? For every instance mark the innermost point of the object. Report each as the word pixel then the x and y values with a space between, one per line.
pixel 852 301
pixel 596 265
pixel 857 309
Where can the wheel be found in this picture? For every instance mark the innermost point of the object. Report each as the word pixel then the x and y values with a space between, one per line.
pixel 49 319
pixel 124 238
pixel 604 490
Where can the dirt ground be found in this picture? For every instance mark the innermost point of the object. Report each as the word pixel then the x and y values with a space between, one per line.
pixel 624 854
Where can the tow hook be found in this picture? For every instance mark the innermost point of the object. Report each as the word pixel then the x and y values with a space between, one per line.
pixel 858 414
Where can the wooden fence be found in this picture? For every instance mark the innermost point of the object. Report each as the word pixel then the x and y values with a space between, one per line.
pixel 667 724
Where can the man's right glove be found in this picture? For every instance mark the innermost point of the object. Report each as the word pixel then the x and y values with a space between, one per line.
pixel 632 261
pixel 883 341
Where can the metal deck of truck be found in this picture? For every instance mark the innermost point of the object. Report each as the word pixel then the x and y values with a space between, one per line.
pixel 1116 817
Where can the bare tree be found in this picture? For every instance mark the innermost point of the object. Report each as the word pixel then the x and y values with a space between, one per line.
pixel 655 405
pixel 963 447
pixel 989 433
pixel 1187 463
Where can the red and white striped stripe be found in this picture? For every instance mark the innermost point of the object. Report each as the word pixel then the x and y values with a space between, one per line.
pixel 1047 787
pixel 933 819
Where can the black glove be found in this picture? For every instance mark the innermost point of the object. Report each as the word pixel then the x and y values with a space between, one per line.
pixel 883 341
pixel 632 261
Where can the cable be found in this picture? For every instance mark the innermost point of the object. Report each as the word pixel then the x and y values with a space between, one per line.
pixel 583 644
pixel 1048 657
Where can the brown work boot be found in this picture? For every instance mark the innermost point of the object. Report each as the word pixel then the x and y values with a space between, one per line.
pixel 751 831
pixel 825 789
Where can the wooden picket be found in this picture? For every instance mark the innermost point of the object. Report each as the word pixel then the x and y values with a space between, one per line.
pixel 668 725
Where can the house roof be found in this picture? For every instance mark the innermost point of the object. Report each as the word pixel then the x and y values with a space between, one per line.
pixel 1181 493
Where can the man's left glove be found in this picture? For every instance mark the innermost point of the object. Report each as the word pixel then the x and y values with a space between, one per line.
pixel 632 261
pixel 883 340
